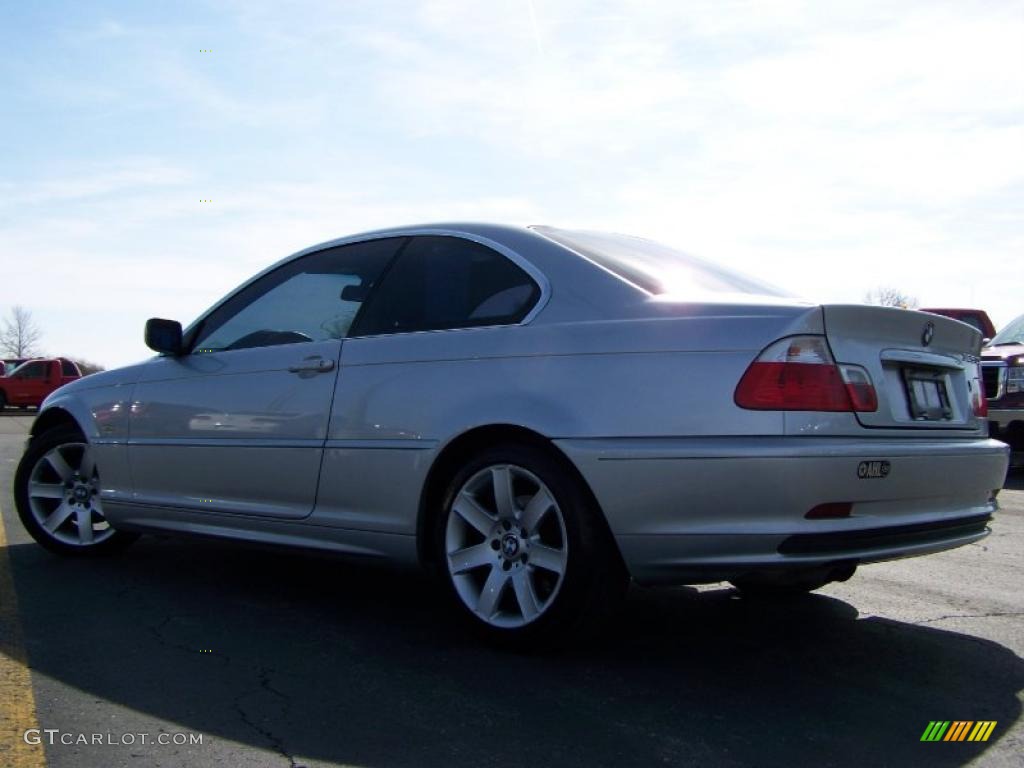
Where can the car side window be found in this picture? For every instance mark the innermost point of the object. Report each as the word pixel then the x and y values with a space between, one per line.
pixel 67 368
pixel 313 298
pixel 32 370
pixel 440 282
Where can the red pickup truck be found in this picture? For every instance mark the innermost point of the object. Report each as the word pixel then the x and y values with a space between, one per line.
pixel 32 381
pixel 1002 367
pixel 975 317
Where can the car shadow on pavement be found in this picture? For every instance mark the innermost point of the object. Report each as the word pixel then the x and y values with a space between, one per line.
pixel 321 660
pixel 1015 478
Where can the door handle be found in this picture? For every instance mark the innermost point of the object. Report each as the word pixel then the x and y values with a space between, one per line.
pixel 312 365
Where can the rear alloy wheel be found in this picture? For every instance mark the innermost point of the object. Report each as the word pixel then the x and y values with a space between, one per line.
pixel 57 490
pixel 522 549
pixel 506 546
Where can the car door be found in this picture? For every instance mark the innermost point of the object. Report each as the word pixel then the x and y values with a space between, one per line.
pixel 237 424
pixel 409 358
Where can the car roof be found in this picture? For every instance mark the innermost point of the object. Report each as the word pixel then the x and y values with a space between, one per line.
pixel 585 290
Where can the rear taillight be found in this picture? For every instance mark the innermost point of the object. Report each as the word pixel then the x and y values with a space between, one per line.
pixel 981 407
pixel 859 387
pixel 979 402
pixel 799 374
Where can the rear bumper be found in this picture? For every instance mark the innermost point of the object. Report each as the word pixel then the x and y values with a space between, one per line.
pixel 1003 417
pixel 697 510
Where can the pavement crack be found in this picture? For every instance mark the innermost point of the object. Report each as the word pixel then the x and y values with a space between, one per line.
pixel 988 615
pixel 263 678
pixel 275 741
pixel 157 632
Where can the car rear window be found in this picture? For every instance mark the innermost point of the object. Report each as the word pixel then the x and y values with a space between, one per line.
pixel 656 268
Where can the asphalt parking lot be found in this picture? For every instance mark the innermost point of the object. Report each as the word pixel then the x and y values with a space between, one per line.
pixel 282 659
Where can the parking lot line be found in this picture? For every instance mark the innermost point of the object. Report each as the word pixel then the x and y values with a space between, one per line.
pixel 17 703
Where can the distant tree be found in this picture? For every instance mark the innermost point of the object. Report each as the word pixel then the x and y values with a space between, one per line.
pixel 890 297
pixel 87 367
pixel 20 335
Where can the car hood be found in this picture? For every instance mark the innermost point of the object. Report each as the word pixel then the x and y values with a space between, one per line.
pixel 1003 352
pixel 129 374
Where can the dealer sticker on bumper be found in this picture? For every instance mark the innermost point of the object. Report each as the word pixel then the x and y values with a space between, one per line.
pixel 868 470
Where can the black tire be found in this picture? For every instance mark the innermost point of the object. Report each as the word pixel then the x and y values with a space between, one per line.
pixel 39 447
pixel 3 399
pixel 594 579
pixel 788 584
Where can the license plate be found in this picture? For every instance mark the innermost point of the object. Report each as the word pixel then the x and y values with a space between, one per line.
pixel 927 395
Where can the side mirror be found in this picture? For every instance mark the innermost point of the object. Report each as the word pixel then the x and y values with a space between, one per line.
pixel 985 341
pixel 355 292
pixel 163 336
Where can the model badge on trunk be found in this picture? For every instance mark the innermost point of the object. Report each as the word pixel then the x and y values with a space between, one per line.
pixel 867 470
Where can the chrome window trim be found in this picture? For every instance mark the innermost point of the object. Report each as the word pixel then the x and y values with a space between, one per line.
pixel 532 272
pixel 528 267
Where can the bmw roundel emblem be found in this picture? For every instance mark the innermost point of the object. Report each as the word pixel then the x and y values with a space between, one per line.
pixel 929 332
pixel 510 545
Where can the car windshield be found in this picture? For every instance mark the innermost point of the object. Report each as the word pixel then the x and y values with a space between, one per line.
pixel 1011 334
pixel 656 268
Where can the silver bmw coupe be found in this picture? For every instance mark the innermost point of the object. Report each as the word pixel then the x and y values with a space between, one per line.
pixel 537 416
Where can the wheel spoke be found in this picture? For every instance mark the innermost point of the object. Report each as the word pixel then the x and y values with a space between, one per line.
pixel 468 509
pixel 491 593
pixel 526 595
pixel 57 518
pixel 84 517
pixel 60 466
pixel 88 464
pixel 469 558
pixel 501 477
pixel 548 558
pixel 535 510
pixel 45 491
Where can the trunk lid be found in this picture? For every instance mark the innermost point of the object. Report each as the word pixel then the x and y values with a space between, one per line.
pixel 925 368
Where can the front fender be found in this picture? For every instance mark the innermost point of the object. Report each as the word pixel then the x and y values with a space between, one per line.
pixel 101 414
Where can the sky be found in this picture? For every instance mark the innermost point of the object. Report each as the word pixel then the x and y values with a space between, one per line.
pixel 827 147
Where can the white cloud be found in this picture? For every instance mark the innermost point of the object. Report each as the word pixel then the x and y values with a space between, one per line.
pixel 829 147
pixel 126 174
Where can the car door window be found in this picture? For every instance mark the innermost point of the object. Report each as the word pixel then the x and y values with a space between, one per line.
pixel 32 371
pixel 441 282
pixel 313 298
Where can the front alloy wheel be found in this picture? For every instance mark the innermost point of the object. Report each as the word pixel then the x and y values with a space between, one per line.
pixel 57 490
pixel 63 495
